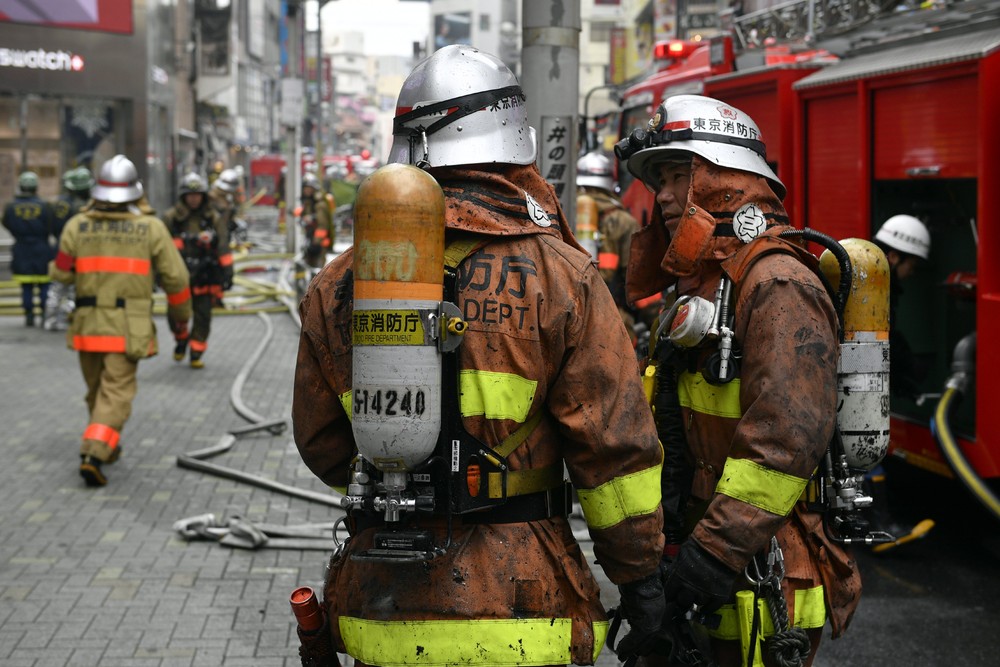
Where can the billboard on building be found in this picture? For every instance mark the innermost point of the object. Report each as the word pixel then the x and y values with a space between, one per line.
pixel 101 15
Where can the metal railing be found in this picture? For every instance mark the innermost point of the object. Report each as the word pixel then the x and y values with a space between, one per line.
pixel 807 19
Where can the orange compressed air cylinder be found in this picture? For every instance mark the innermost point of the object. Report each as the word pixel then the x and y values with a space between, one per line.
pixel 587 216
pixel 398 289
pixel 399 235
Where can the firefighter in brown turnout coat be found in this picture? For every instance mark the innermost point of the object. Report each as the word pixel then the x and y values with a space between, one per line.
pixel 111 253
pixel 615 226
pixel 202 236
pixel 545 378
pixel 753 407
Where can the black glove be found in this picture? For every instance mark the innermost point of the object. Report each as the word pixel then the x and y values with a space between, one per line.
pixel 695 577
pixel 643 606
pixel 227 278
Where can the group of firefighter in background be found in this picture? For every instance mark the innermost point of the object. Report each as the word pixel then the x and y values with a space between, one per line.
pixel 104 248
pixel 464 354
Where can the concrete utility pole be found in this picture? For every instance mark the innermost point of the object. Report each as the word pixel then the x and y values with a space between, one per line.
pixel 291 117
pixel 550 77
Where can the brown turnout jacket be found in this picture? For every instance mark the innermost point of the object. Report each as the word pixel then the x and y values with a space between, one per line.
pixel 786 330
pixel 536 308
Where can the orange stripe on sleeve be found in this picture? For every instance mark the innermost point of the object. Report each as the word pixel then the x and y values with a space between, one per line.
pixel 177 298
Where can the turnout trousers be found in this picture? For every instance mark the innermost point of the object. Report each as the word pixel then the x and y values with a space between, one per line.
pixel 111 386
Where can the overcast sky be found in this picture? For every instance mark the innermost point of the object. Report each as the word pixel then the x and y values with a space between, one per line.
pixel 390 26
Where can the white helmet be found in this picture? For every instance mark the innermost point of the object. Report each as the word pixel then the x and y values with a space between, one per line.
pixel 117 182
pixel 595 170
pixel 703 126
pixel 905 234
pixel 461 106
pixel 227 181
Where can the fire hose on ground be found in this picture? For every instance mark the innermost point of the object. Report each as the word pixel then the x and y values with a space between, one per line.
pixel 963 371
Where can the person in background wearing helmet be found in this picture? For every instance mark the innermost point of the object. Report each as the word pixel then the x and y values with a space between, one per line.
pixel 223 197
pixel 30 221
pixel 112 254
pixel 546 357
pixel 741 442
pixel 615 226
pixel 77 183
pixel 906 242
pixel 316 218
pixel 204 243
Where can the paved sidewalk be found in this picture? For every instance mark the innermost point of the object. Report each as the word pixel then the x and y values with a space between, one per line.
pixel 99 576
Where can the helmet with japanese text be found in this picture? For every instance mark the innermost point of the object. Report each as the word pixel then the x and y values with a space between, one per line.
pixel 692 124
pixel 461 106
pixel 117 182
pixel 228 181
pixel 594 170
pixel 193 183
pixel 905 234
pixel 78 180
pixel 27 183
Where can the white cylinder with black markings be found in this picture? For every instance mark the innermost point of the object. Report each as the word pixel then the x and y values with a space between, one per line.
pixel 398 274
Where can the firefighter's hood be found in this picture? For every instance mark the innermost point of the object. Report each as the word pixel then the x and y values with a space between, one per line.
pixel 724 210
pixel 502 200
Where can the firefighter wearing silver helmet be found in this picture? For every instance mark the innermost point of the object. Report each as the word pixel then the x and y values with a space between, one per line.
pixel 203 240
pixel 112 253
pixel 224 196
pixel 545 368
pixel 316 219
pixel 615 226
pixel 763 369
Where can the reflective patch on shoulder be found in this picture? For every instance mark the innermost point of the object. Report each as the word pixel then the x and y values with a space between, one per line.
pixel 536 212
pixel 749 222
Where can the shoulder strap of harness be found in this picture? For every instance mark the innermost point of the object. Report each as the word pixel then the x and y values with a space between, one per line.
pixel 768 243
pixel 519 482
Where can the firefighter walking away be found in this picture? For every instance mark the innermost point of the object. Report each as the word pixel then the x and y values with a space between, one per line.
pixel 111 253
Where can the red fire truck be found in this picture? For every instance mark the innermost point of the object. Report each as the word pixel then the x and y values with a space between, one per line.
pixel 901 120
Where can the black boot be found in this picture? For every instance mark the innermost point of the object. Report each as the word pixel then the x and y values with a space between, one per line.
pixel 90 470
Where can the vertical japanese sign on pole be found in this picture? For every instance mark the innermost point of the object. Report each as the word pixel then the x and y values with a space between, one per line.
pixel 550 78
pixel 555 153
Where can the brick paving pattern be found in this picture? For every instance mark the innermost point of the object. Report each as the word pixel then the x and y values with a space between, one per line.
pixel 100 576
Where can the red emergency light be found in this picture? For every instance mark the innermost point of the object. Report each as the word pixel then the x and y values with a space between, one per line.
pixel 674 49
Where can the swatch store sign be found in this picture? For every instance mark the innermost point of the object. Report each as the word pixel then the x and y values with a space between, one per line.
pixel 41 59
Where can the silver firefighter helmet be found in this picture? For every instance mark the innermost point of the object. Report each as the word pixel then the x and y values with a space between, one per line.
pixel 461 106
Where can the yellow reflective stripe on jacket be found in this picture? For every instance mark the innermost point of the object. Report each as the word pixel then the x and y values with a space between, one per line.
pixel 697 394
pixel 621 498
pixel 345 401
pixel 486 642
pixel 810 613
pixel 495 395
pixel 760 486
